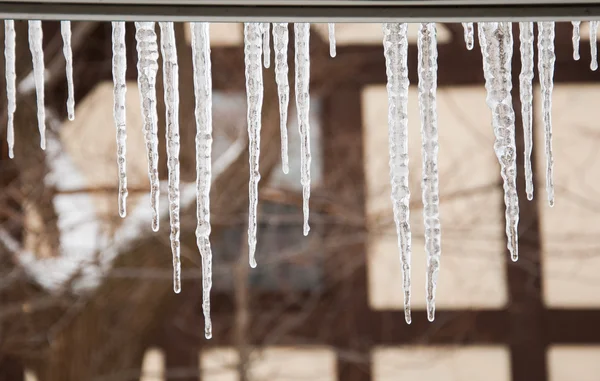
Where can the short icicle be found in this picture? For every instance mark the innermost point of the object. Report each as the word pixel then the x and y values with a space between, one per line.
pixel 430 146
pixel 302 37
pixel 496 42
pixel 576 38
pixel 119 68
pixel 395 45
pixel 469 34
pixel 65 31
pixel 11 82
pixel 332 43
pixel 204 140
pixel 37 54
pixel 254 94
pixel 147 66
pixel 171 86
pixel 594 44
pixel 526 96
pixel 280 45
pixel 546 60
pixel 266 44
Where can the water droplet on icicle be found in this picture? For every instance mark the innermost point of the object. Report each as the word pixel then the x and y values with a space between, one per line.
pixel 594 44
pixel 302 38
pixel 11 82
pixel 430 146
pixel 266 44
pixel 171 93
pixel 119 67
pixel 65 31
pixel 280 45
pixel 147 66
pixel 37 55
pixel 203 95
pixel 546 60
pixel 526 95
pixel 576 38
pixel 496 42
pixel 254 94
pixel 395 45
pixel 332 43
pixel 469 34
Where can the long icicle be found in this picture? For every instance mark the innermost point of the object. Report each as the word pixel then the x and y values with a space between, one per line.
pixel 203 94
pixel 430 146
pixel 395 44
pixel 254 94
pixel 119 68
pixel 65 31
pixel 302 37
pixel 147 65
pixel 496 42
pixel 171 86
pixel 546 60
pixel 11 82
pixel 280 45
pixel 266 44
pixel 576 38
pixel 332 43
pixel 469 34
pixel 526 96
pixel 594 44
pixel 37 54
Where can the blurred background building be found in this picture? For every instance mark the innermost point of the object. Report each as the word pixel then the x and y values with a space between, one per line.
pixel 85 295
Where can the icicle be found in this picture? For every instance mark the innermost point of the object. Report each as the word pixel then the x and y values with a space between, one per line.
pixel 395 44
pixel 576 38
pixel 526 94
pixel 332 47
pixel 11 78
pixel 203 94
pixel 65 30
pixel 429 133
pixel 37 54
pixel 469 34
pixel 280 45
pixel 147 66
pixel 266 44
pixel 593 44
pixel 171 86
pixel 496 42
pixel 254 94
pixel 119 67
pixel 302 34
pixel 546 59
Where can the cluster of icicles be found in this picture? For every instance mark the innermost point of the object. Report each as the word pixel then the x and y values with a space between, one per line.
pixel 496 41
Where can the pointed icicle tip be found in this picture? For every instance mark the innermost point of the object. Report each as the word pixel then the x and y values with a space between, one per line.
pixel 253 263
pixel 431 314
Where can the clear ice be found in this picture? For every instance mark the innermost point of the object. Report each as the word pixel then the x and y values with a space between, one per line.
pixel 302 37
pixel 395 44
pixel 254 95
pixel 171 92
pixel 576 38
pixel 332 44
pixel 147 66
pixel 119 68
pixel 496 42
pixel 37 55
pixel 280 45
pixel 203 95
pixel 266 44
pixel 546 60
pixel 526 96
pixel 427 67
pixel 65 30
pixel 469 34
pixel 11 82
